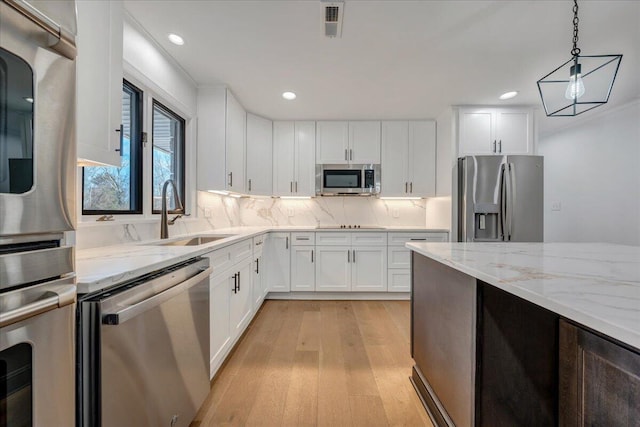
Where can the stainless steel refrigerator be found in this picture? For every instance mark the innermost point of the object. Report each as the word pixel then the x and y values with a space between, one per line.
pixel 500 198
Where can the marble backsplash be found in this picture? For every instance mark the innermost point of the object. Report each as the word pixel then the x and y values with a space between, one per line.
pixel 215 211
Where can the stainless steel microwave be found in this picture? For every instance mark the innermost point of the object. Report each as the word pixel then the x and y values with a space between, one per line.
pixel 343 180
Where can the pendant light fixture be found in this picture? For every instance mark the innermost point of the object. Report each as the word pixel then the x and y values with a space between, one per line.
pixel 582 83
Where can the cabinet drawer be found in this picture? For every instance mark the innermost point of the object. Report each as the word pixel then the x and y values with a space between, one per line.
pixel 399 280
pixel 241 250
pixel 303 239
pixel 399 239
pixel 398 257
pixel 258 245
pixel 368 239
pixel 220 260
pixel 334 238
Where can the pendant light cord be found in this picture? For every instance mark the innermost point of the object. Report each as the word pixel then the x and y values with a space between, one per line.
pixel 576 50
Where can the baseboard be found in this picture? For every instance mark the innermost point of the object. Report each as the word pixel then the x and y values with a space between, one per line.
pixel 341 296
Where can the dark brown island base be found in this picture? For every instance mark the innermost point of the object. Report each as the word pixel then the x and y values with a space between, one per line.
pixel 485 357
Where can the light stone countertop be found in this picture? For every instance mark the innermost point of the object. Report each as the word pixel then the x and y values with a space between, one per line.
pixel 103 267
pixel 594 284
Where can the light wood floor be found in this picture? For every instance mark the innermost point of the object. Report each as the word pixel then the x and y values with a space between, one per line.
pixel 324 363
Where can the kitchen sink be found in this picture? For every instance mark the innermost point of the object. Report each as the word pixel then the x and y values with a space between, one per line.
pixel 195 241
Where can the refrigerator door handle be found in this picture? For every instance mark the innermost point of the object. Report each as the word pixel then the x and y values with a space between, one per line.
pixel 503 202
pixel 512 196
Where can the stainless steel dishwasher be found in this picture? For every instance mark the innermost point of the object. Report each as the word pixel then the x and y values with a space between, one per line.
pixel 144 349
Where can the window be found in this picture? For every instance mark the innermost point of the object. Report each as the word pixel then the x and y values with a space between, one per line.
pixel 111 190
pixel 168 155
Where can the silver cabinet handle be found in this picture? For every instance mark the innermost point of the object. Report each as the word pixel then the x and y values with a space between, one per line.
pixel 312 255
pixel 235 283
pixel 350 154
pixel 257 265
pixel 348 255
pixel 230 179
pixel 287 243
pixel 130 312
pixel 65 44
pixel 411 187
pixel 354 256
pixel 249 184
pixel 296 186
pixel 302 238
pixel 500 146
pixel 238 281
pixel 290 186
pixel 406 185
pixel 494 145
pixel 62 295
pixel 121 134
pixel 345 154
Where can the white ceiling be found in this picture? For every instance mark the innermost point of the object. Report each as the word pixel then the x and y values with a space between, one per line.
pixel 396 59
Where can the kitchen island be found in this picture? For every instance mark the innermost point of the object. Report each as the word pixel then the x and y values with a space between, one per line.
pixel 527 333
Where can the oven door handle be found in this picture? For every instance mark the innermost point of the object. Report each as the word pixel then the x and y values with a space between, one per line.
pixel 62 295
pixel 134 310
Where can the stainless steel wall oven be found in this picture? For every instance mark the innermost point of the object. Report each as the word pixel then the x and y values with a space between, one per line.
pixel 37 186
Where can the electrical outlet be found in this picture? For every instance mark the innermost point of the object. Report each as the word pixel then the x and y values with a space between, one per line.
pixel 556 206
pixel 207 212
pixel 395 212
pixel 291 212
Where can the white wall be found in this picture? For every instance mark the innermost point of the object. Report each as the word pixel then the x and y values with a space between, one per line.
pixel 593 170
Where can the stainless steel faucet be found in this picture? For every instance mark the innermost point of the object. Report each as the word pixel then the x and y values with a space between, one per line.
pixel 164 222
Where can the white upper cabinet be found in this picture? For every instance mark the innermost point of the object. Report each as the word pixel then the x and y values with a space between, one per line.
pixel 341 142
pixel 259 155
pixel 294 147
pixel 408 159
pixel 332 142
pixel 221 141
pixel 495 131
pixel 236 126
pixel 99 81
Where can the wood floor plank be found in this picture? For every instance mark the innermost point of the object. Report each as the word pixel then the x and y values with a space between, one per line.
pixel 324 363
pixel 360 381
pixel 301 407
pixel 272 393
pixel 367 411
pixel 333 398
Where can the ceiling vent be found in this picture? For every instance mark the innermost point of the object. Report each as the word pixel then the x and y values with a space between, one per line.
pixel 332 18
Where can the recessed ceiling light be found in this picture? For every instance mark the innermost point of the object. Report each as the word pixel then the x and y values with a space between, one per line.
pixel 176 39
pixel 508 95
pixel 289 96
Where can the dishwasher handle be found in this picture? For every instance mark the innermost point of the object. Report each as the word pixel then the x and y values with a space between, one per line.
pixel 134 310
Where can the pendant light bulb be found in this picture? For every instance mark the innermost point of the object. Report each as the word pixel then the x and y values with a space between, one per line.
pixel 575 89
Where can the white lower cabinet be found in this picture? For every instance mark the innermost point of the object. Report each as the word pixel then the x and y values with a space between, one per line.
pixel 369 269
pixel 219 320
pixel 399 280
pixel 278 262
pixel 241 307
pixel 333 268
pixel 259 282
pixel 303 269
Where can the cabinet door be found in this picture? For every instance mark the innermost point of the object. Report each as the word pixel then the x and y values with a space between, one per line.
pixel 599 380
pixel 305 159
pixel 476 132
pixel 235 144
pixel 364 142
pixel 399 257
pixel 283 158
pixel 422 158
pixel 99 81
pixel 257 285
pixel 395 155
pixel 278 262
pixel 259 155
pixel 399 280
pixel 241 307
pixel 332 142
pixel 514 131
pixel 303 271
pixel 220 287
pixel 333 268
pixel 369 269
